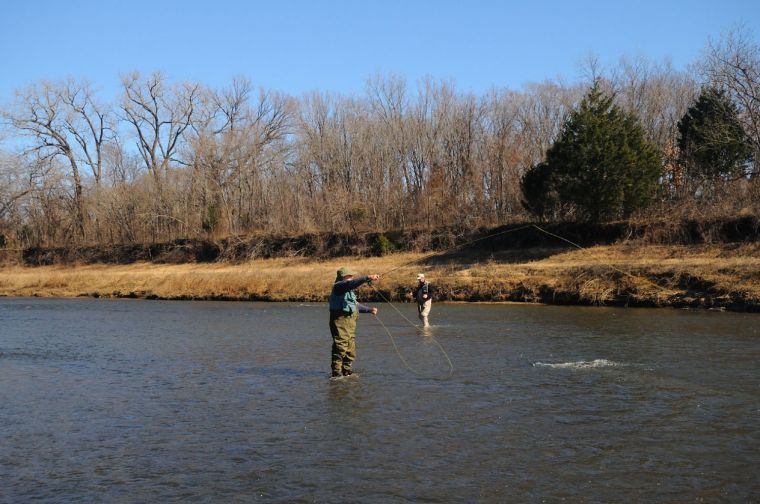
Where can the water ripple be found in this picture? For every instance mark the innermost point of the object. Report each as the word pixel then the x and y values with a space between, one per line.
pixel 596 363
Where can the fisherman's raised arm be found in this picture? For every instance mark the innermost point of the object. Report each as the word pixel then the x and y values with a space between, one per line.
pixel 343 286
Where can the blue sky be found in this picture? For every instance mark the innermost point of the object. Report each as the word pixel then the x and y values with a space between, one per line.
pixel 298 46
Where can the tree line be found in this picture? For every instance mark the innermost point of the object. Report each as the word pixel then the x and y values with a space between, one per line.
pixel 166 160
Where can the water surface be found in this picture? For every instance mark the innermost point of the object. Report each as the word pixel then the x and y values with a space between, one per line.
pixel 153 401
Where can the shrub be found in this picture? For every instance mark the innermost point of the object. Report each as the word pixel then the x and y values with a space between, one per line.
pixel 382 245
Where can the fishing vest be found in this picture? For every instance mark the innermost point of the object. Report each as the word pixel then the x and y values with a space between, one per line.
pixel 345 303
pixel 423 289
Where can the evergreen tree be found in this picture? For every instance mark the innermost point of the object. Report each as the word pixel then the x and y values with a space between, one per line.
pixel 711 139
pixel 601 167
pixel 539 192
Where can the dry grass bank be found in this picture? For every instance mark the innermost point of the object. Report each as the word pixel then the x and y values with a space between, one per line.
pixel 707 276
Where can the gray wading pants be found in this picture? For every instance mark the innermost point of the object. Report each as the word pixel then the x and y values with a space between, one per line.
pixel 343 330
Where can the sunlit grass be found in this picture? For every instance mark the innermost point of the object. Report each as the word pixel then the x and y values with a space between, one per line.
pixel 595 276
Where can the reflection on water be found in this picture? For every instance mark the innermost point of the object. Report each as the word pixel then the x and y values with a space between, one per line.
pixel 134 401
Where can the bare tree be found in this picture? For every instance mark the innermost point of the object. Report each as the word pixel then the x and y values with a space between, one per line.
pixel 64 119
pixel 506 158
pixel 543 109
pixel 159 116
pixel 733 63
pixel 194 161
pixel 659 96
pixel 236 143
pixel 19 177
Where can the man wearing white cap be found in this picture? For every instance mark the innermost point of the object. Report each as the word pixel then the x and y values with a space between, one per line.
pixel 424 296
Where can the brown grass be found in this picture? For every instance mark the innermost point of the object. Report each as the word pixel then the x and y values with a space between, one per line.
pixel 707 276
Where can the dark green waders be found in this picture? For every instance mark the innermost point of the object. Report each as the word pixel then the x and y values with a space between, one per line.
pixel 343 330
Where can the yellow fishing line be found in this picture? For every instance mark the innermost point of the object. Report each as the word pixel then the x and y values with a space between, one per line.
pixel 427 256
pixel 418 329
pixel 631 275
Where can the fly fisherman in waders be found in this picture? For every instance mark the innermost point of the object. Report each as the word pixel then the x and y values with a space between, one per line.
pixel 423 294
pixel 344 312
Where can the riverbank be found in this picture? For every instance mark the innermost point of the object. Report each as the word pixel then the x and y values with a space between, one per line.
pixel 723 276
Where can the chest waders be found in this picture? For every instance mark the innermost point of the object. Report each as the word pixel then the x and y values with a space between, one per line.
pixel 344 313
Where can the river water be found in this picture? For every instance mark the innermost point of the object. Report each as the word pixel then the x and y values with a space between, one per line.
pixel 153 401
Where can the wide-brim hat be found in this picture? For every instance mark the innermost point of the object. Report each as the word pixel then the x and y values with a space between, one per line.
pixel 346 271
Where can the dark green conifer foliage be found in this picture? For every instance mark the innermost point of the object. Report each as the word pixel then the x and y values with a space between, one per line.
pixel 711 140
pixel 539 192
pixel 600 168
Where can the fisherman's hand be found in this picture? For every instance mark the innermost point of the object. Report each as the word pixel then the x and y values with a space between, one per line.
pixel 373 311
pixel 374 278
pixel 424 296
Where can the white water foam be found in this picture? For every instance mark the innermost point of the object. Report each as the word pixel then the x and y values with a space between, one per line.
pixel 596 363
